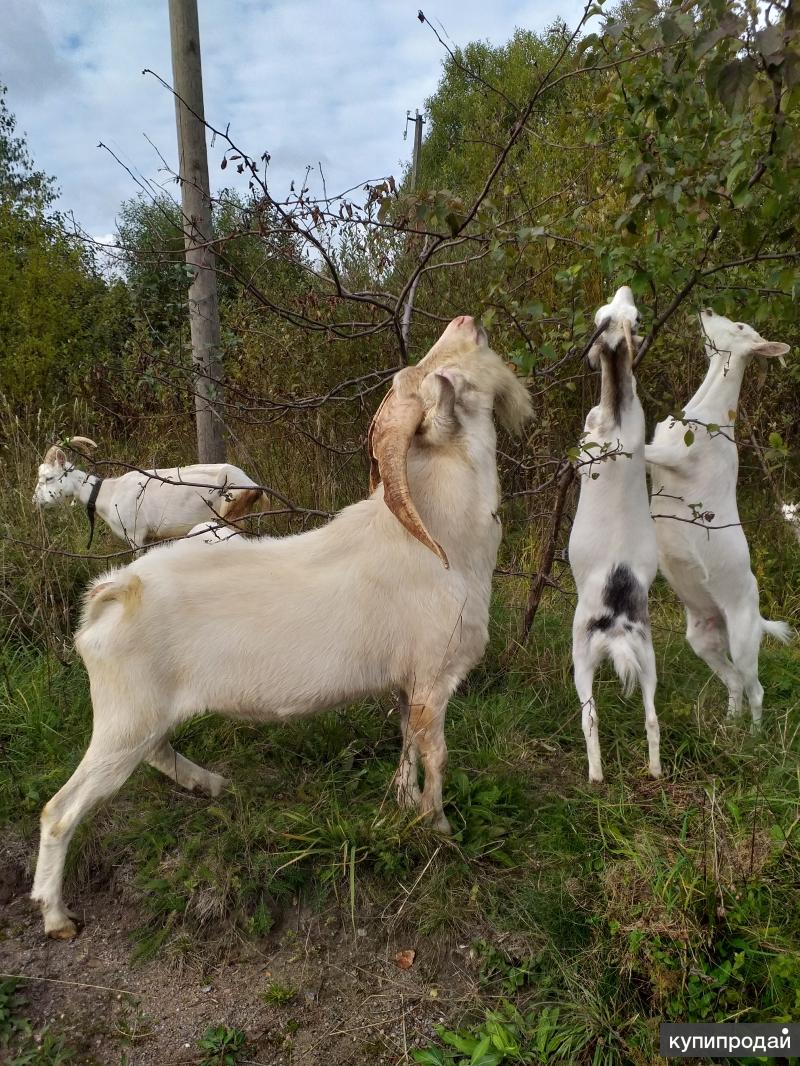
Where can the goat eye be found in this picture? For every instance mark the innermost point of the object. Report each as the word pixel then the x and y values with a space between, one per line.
pixel 739 325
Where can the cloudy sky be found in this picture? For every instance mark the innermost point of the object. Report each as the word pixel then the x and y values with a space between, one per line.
pixel 306 80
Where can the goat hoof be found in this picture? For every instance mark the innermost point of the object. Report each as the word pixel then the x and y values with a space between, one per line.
pixel 216 784
pixel 441 825
pixel 66 930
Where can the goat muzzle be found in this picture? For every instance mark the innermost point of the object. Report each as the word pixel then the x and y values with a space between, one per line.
pixel 389 439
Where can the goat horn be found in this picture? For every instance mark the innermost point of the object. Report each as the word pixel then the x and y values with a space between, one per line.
pixel 409 380
pixel 374 467
pixel 76 442
pixel 397 420
pixel 626 329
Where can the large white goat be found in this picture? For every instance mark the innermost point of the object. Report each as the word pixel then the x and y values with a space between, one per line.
pixel 282 628
pixel 612 547
pixel 706 559
pixel 142 507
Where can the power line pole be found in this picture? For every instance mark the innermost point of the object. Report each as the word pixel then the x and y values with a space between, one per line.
pixel 417 120
pixel 187 79
pixel 405 326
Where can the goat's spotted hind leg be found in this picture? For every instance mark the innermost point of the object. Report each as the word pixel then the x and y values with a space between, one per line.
pixel 100 773
pixel 185 773
pixel 584 675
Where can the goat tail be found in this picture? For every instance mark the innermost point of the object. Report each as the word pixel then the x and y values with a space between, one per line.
pixel 781 631
pixel 108 589
pixel 625 661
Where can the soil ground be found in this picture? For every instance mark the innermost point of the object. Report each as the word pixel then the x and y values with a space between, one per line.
pixel 352 1003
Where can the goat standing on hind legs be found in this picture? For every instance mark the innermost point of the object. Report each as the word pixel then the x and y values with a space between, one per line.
pixel 612 547
pixel 709 568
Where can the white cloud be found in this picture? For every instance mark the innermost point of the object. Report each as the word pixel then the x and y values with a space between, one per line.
pixel 306 80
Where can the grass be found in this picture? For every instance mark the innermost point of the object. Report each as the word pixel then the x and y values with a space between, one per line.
pixel 278 994
pixel 622 904
pixel 20 1045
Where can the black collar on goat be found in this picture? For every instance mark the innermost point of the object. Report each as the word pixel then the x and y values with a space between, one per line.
pixel 91 507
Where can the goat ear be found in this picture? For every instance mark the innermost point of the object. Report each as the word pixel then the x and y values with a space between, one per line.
pixel 771 349
pixel 55 456
pixel 449 381
pixel 512 402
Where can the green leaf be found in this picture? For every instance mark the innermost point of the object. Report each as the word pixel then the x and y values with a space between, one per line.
pixel 670 31
pixel 533 310
pixel 428 1058
pixel 485 1055
pixel 770 43
pixel 640 282
pixel 734 82
pixel 688 438
pixel 466 1045
pixel 730 26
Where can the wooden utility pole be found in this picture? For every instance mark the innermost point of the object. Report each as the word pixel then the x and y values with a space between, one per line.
pixel 417 120
pixel 405 326
pixel 187 79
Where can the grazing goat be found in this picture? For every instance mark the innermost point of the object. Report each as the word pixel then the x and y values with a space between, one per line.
pixel 142 507
pixel 702 549
pixel 612 547
pixel 281 628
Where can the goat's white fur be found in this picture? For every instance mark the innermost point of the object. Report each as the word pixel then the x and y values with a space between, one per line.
pixel 143 507
pixel 612 547
pixel 709 568
pixel 212 533
pixel 791 512
pixel 280 628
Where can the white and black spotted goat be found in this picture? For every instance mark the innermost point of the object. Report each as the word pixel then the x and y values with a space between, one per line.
pixel 612 547
pixel 709 568
pixel 144 506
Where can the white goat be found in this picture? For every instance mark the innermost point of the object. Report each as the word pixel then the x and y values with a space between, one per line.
pixel 707 563
pixel 791 512
pixel 612 547
pixel 280 628
pixel 143 507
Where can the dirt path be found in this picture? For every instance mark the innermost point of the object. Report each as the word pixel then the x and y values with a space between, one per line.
pixel 351 1004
